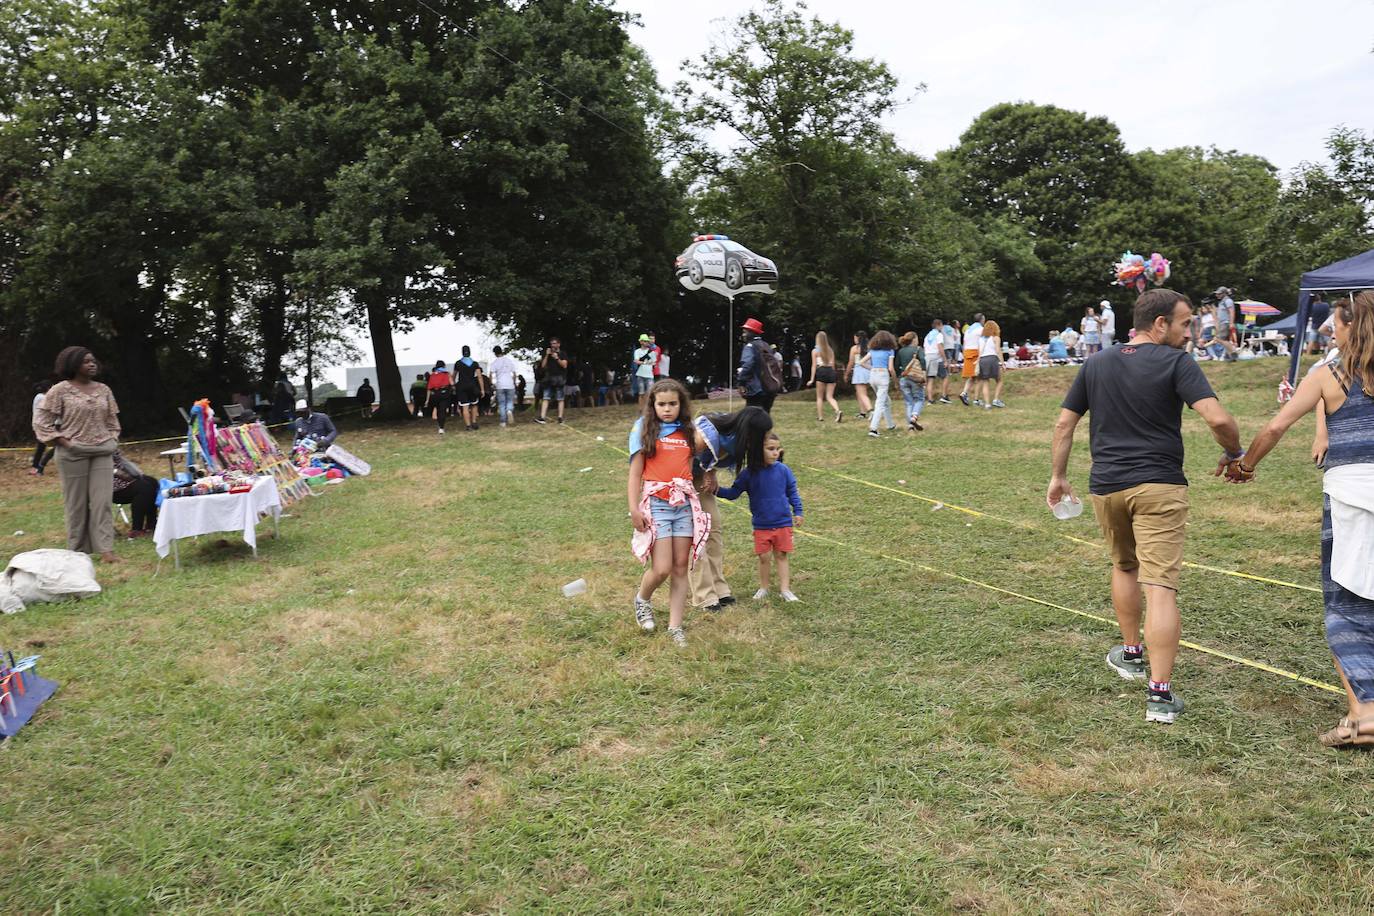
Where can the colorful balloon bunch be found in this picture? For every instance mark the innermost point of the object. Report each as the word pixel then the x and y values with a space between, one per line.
pixel 1134 270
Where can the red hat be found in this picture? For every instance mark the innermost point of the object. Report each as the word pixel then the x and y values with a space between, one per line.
pixel 753 324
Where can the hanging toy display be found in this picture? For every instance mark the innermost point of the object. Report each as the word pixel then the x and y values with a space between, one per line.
pixel 1133 270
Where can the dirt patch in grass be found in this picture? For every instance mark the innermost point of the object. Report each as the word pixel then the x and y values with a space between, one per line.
pixel 470 795
pixel 329 626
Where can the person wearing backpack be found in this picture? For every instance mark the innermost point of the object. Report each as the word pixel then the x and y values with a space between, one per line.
pixel 760 375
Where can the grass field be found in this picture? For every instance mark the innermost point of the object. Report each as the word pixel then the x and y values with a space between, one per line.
pixel 395 709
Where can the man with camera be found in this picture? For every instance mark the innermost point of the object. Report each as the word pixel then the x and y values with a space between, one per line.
pixel 554 366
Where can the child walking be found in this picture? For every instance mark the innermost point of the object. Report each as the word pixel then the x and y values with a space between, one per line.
pixel 775 505
pixel 670 526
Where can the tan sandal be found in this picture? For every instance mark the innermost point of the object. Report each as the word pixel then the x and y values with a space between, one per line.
pixel 1347 733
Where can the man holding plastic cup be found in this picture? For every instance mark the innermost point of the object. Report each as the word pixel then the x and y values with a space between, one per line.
pixel 1135 393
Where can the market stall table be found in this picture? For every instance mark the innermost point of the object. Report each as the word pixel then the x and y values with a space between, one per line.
pixel 171 454
pixel 190 516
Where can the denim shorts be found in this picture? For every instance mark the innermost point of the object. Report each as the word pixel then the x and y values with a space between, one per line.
pixel 640 385
pixel 670 521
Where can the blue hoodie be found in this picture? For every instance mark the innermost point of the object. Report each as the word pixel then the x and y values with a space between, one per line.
pixel 773 495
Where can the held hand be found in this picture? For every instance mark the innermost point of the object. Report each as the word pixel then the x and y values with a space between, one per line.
pixel 62 441
pixel 1058 489
pixel 1319 445
pixel 797 520
pixel 639 520
pixel 711 485
pixel 1236 472
pixel 810 383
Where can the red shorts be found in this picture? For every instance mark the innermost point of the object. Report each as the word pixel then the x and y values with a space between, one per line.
pixel 770 539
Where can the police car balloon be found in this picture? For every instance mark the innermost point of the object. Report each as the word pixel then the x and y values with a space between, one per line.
pixel 726 267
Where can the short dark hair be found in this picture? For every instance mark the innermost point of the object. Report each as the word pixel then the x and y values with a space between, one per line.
pixel 497 351
pixel 467 351
pixel 69 362
pixel 1156 303
pixel 978 317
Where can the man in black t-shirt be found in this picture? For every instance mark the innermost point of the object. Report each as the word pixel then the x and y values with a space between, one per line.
pixel 1135 394
pixel 555 375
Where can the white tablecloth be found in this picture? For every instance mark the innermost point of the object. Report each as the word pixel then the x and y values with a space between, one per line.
pixel 187 516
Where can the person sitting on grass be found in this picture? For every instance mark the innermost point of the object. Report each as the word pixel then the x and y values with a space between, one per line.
pixel 670 526
pixel 775 506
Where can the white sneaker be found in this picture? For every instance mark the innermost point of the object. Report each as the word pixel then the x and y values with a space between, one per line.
pixel 441 431
pixel 788 596
pixel 678 637
pixel 644 614
pixel 761 594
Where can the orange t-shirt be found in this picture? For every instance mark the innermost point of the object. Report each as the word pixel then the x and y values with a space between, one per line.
pixel 672 458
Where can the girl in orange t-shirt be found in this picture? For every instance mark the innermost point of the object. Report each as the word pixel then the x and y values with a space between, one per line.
pixel 663 503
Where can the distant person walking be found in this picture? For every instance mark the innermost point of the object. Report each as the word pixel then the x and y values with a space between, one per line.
pixel 990 365
pixel 759 377
pixel 503 372
pixel 79 416
pixel 938 361
pixel 1106 319
pixel 911 379
pixel 418 389
pixel 857 373
pixel 823 377
pixel 366 397
pixel 973 338
pixel 643 360
pixel 554 364
pixel 440 398
pixel 283 400
pixel 1092 331
pixel 1136 394
pixel 468 385
pixel 882 349
pixel 43 452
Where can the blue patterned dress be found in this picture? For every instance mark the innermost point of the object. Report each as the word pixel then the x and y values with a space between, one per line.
pixel 1349 618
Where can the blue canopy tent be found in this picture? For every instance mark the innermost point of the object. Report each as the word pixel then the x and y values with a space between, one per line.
pixel 1288 324
pixel 1344 276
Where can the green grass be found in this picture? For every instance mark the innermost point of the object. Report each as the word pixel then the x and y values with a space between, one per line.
pixel 395 709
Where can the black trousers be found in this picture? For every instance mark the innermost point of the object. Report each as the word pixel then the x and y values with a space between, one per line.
pixel 141 497
pixel 763 399
pixel 42 454
pixel 442 404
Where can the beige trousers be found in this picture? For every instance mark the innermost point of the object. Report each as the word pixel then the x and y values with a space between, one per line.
pixel 707 577
pixel 87 493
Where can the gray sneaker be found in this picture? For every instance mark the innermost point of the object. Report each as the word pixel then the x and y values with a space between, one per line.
pixel 1131 669
pixel 678 637
pixel 644 614
pixel 1162 708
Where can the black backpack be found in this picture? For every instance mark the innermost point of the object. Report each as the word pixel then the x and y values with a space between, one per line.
pixel 770 373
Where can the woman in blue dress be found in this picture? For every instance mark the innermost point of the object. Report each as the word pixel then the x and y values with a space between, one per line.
pixel 1341 388
pixel 858 375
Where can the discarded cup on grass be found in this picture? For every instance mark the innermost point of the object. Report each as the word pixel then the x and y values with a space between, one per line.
pixel 574 588
pixel 1067 507
pixel 583 470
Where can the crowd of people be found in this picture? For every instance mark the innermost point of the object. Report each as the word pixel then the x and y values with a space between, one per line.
pixel 1133 393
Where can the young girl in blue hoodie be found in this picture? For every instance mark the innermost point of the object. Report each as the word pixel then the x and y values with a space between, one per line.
pixel 775 505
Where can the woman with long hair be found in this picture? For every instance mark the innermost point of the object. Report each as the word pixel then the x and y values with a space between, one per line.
pixel 857 375
pixel 733 441
pixel 823 376
pixel 79 415
pixel 1341 389
pixel 990 365
pixel 878 362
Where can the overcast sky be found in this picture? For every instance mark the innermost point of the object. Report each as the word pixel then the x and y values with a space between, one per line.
pixel 1262 76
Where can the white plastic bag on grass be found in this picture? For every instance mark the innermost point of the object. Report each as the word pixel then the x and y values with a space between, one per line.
pixel 51 575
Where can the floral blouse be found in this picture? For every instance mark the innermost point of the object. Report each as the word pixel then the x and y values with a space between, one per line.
pixel 86 416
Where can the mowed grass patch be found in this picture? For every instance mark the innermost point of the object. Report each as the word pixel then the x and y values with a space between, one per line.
pixel 395 709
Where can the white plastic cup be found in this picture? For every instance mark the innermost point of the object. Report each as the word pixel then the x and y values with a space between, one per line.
pixel 574 588
pixel 1067 507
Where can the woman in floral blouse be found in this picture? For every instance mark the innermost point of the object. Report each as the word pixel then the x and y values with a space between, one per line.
pixel 79 415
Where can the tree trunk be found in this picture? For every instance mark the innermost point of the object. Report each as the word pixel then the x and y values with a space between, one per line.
pixel 219 343
pixel 272 327
pixel 389 392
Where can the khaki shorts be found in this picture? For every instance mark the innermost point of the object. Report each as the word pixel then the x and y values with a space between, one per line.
pixel 1145 527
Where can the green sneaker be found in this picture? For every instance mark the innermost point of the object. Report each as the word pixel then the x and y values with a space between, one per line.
pixel 1162 707
pixel 1131 669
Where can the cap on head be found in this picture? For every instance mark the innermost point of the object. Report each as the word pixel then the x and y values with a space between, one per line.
pixel 644 338
pixel 300 405
pixel 753 324
pixel 1221 291
pixel 1105 303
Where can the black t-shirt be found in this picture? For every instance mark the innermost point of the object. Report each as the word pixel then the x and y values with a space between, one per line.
pixel 465 375
pixel 554 374
pixel 1135 394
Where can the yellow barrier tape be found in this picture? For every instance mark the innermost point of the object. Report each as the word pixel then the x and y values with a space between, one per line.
pixel 181 438
pixel 1068 537
pixel 1188 644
